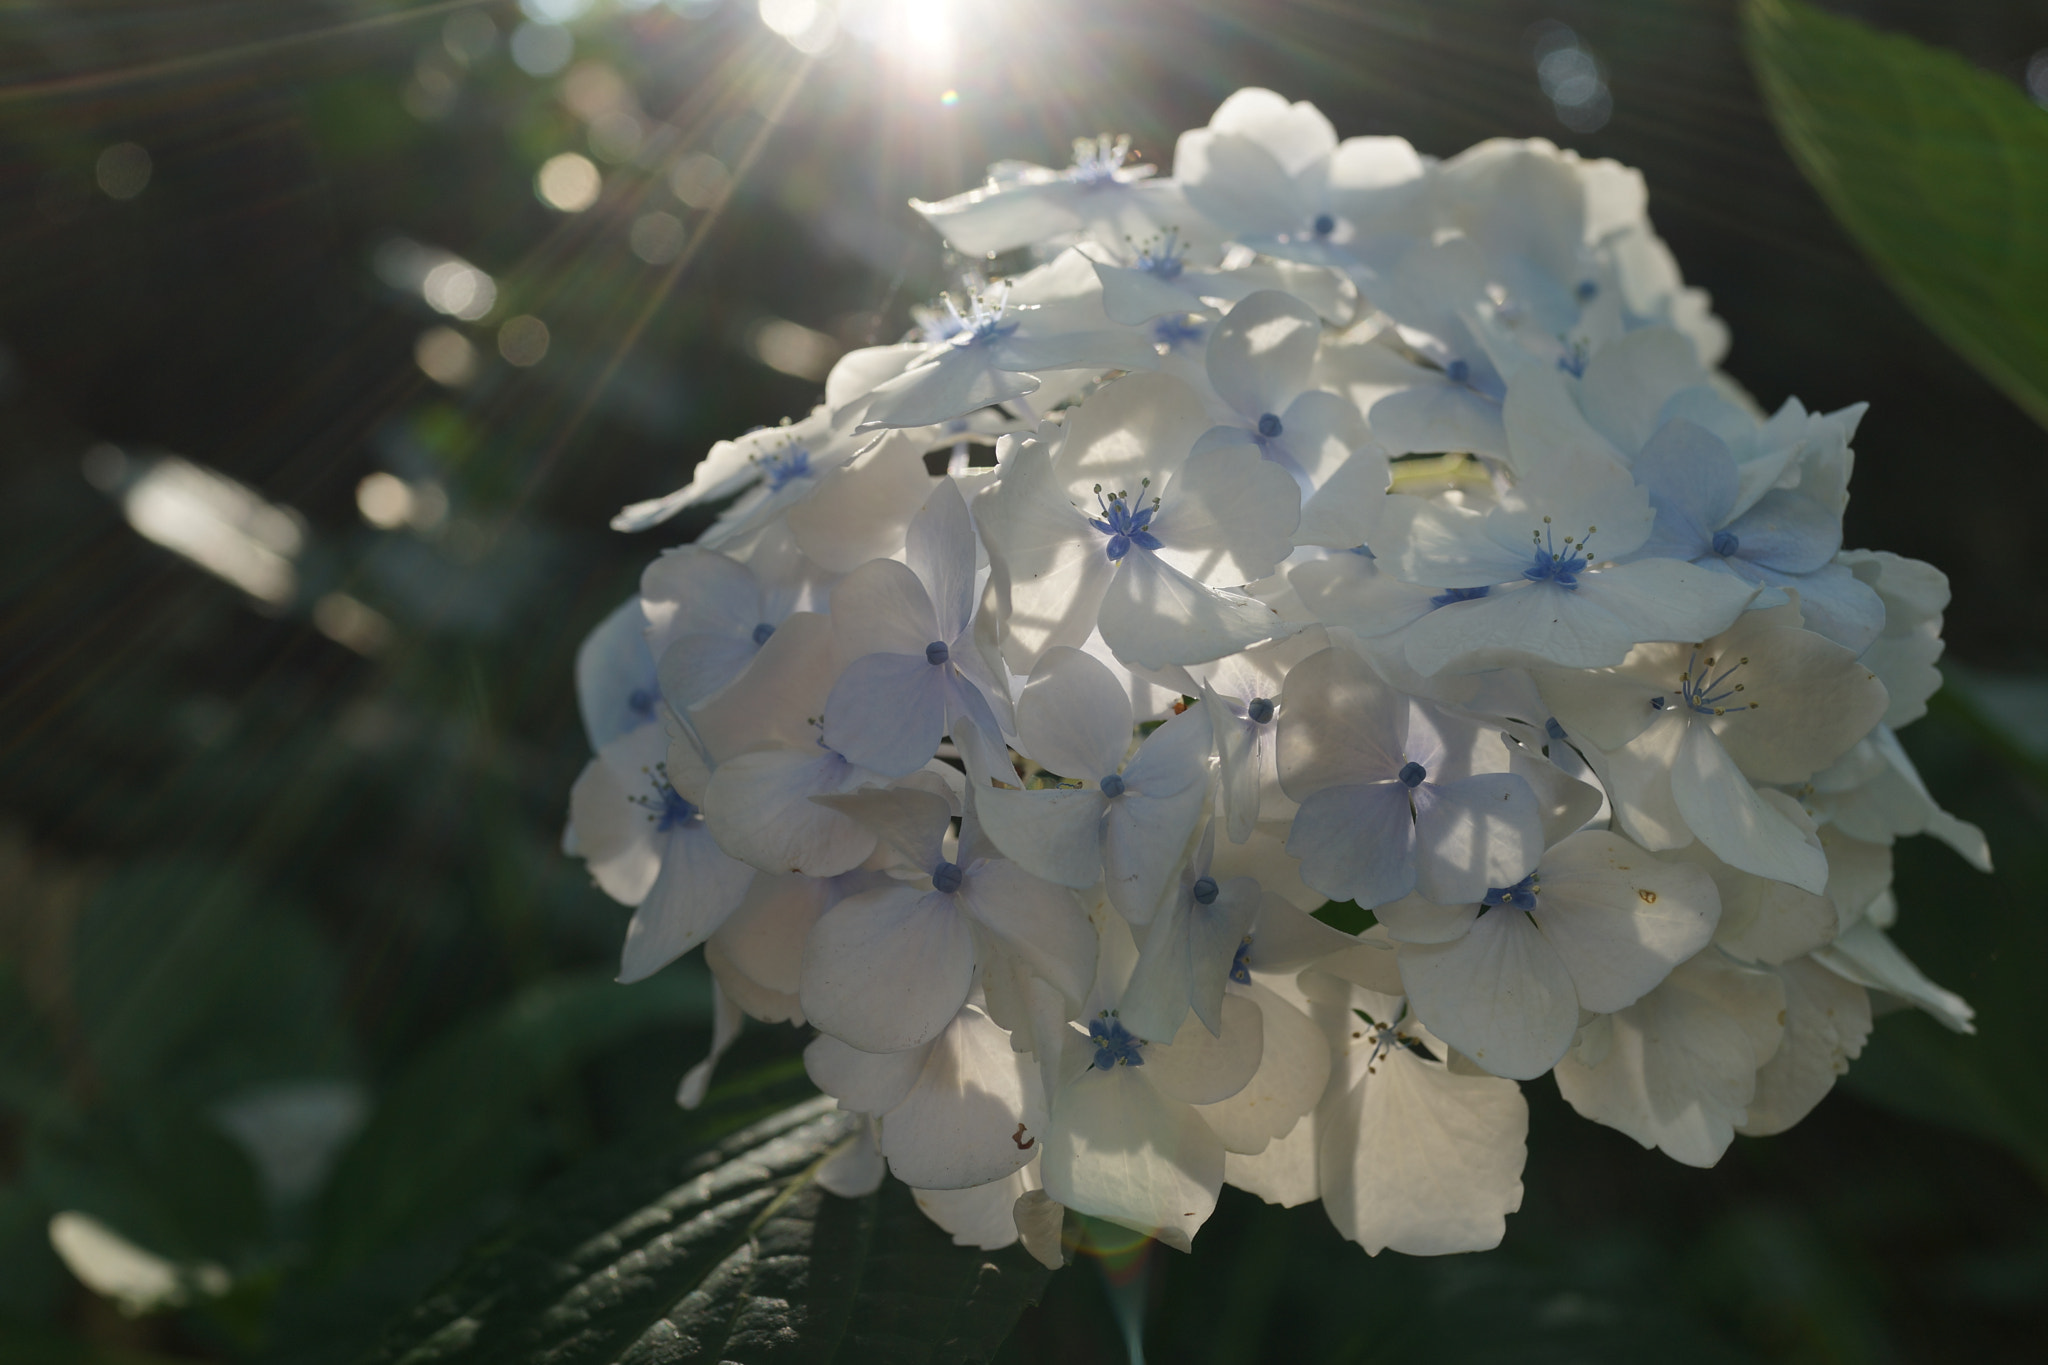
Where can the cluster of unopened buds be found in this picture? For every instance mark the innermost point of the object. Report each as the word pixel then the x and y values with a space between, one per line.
pixel 1323 529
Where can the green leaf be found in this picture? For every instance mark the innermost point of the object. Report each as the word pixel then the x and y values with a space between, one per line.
pixel 456 1127
pixel 1938 170
pixel 669 1252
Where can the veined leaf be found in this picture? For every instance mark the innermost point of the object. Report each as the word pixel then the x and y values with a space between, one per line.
pixel 661 1253
pixel 1938 170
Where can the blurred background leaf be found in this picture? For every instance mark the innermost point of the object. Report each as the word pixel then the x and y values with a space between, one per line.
pixel 1938 170
pixel 294 978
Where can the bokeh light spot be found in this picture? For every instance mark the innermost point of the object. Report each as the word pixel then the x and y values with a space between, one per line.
pixel 541 49
pixel 123 170
pixel 523 340
pixel 699 180
pixel 568 182
pixel 657 237
pixel 445 356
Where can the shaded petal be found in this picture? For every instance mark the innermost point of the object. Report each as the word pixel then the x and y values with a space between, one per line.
pixel 1260 354
pixel 1476 833
pixel 1053 834
pixel 1501 995
pixel 1073 716
pixel 1681 1068
pixel 1228 516
pixel 1154 616
pixel 1422 1159
pixel 1117 1149
pixel 1621 919
pixel 1356 843
pixel 698 887
pixel 1294 1068
pixel 1725 813
pixel 1200 1067
pixel 1035 921
pixel 940 549
pixel 887 712
pixel 759 808
pixel 967 1118
pixel 888 969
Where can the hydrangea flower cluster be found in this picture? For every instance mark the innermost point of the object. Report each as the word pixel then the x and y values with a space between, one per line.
pixel 1321 523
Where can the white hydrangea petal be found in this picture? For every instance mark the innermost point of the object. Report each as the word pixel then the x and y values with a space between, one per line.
pixel 862 510
pixel 1680 1070
pixel 1725 813
pixel 952 383
pixel 1293 1071
pixel 726 1021
pixel 763 940
pixel 1865 955
pixel 1476 833
pixel 1341 724
pixel 887 712
pixel 1073 716
pixel 1413 919
pixel 1196 1066
pixel 984 1215
pixel 1260 354
pixel 1054 834
pixel 614 671
pixel 759 808
pixel 774 702
pixel 1036 921
pixel 883 608
pixel 1228 516
pixel 863 1082
pixel 911 820
pixel 1155 616
pixel 1662 599
pixel 1118 1149
pixel 1537 624
pixel 888 969
pixel 1144 838
pixel 1136 428
pixel 611 834
pixel 940 549
pixel 1620 919
pixel 1501 994
pixel 698 886
pixel 1356 843
pixel 972 1116
pixel 1049 561
pixel 1186 959
pixel 1421 1159
pixel 1827 1020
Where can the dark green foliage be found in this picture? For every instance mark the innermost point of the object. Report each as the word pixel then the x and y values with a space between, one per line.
pixel 1938 170
pixel 668 1252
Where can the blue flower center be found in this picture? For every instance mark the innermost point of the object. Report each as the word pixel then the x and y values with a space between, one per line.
pixel 1413 775
pixel 1260 709
pixel 1115 1045
pixel 1269 426
pixel 1205 891
pixel 791 464
pixel 1553 729
pixel 1324 225
pixel 1241 962
pixel 1458 371
pixel 1164 257
pixel 1113 786
pixel 946 877
pixel 1709 693
pixel 1123 526
pixel 1562 567
pixel 1175 331
pixel 665 806
pixel 936 653
pixel 762 632
pixel 1726 543
pixel 1587 290
pixel 1098 159
pixel 640 701
pixel 1450 595
pixel 1522 895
